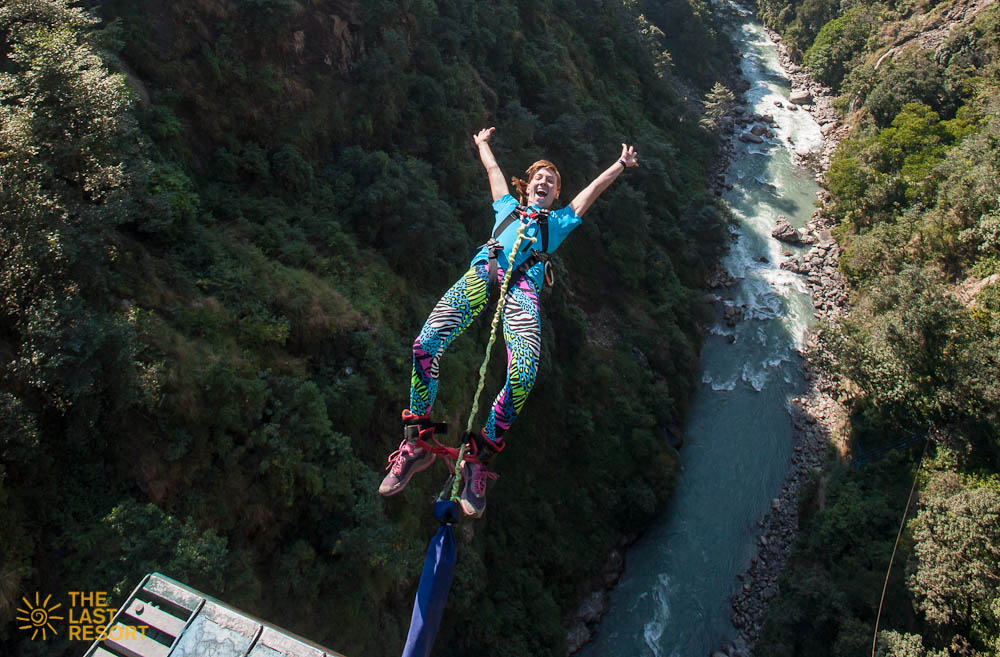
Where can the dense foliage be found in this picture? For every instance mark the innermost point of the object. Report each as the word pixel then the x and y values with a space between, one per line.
pixel 836 25
pixel 838 45
pixel 223 224
pixel 916 192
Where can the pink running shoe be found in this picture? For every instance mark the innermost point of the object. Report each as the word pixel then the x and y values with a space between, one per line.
pixel 414 453
pixel 405 462
pixel 475 475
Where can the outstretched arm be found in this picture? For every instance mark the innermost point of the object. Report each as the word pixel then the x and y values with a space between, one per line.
pixel 498 184
pixel 586 198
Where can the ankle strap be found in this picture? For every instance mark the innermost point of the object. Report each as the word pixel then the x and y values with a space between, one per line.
pixel 483 449
pixel 414 425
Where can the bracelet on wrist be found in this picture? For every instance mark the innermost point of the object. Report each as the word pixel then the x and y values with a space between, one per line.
pixel 622 162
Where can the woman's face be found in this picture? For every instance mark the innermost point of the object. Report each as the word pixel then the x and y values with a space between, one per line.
pixel 543 188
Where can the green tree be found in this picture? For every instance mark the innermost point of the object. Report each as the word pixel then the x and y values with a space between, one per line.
pixel 64 142
pixel 897 644
pixel 915 354
pixel 875 178
pixel 717 104
pixel 957 555
pixel 838 44
pixel 144 539
pixel 912 76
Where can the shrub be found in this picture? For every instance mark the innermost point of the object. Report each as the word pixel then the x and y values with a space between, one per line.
pixel 838 45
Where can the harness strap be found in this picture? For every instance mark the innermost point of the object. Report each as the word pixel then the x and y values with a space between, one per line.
pixel 414 425
pixel 508 220
pixel 412 432
pixel 494 248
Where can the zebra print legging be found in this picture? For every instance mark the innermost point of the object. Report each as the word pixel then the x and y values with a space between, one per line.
pixel 522 331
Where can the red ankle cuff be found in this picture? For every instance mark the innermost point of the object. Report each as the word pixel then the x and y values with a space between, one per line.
pixel 409 417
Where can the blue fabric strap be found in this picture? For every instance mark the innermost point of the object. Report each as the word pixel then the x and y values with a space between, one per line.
pixel 435 582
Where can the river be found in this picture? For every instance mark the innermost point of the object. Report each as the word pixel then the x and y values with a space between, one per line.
pixel 673 598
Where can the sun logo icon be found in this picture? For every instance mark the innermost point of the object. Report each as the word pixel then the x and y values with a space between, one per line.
pixel 38 616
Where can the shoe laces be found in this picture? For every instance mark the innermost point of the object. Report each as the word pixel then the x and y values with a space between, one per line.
pixel 478 478
pixel 398 458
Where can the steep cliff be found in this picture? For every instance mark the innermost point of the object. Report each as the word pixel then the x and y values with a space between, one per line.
pixel 211 384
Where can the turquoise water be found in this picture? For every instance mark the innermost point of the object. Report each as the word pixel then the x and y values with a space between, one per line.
pixel 673 598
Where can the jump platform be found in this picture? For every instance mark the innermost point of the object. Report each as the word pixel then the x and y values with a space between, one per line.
pixel 164 618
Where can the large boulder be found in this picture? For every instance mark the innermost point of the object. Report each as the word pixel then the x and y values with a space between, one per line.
pixel 800 97
pixel 752 138
pixel 784 232
pixel 793 265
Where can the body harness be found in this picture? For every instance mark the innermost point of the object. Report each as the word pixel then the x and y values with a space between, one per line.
pixel 420 429
pixel 523 213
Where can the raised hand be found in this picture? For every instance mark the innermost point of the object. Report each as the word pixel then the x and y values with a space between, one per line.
pixel 483 136
pixel 629 156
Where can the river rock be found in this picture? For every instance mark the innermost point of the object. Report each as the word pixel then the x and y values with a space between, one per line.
pixel 751 138
pixel 733 314
pixel 721 279
pixel 758 129
pixel 784 232
pixel 576 637
pixel 800 97
pixel 615 562
pixel 592 607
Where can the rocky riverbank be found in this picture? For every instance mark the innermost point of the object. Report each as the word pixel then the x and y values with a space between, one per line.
pixel 818 418
pixel 594 604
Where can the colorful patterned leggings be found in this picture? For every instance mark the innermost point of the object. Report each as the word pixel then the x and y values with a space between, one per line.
pixel 522 331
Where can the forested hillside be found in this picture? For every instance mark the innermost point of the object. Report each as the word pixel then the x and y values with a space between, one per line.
pixel 916 198
pixel 223 224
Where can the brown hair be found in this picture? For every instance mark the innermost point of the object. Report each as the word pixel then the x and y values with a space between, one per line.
pixel 521 186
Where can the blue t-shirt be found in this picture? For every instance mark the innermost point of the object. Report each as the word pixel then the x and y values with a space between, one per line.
pixel 561 223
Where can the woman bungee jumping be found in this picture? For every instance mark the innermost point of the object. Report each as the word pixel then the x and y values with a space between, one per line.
pixel 541 230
